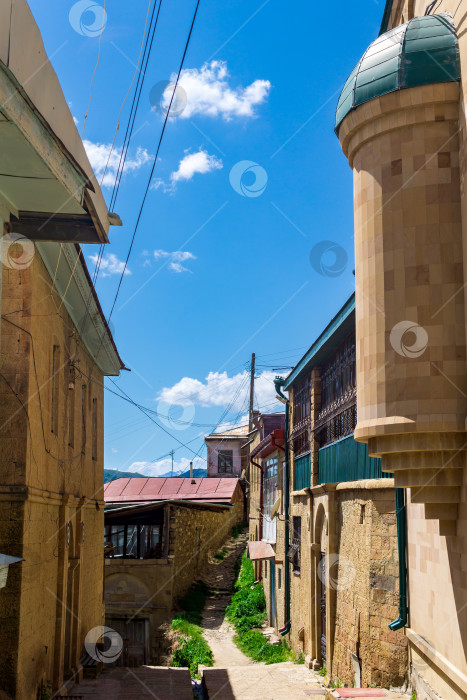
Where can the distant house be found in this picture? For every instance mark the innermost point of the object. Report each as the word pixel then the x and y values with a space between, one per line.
pixel 159 533
pixel 227 452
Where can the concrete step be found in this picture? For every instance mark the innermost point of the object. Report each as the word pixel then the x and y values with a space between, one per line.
pixel 261 682
pixel 143 683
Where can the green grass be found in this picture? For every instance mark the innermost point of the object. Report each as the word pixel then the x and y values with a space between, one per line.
pixel 237 530
pixel 247 611
pixel 193 602
pixel 220 555
pixel 322 671
pixel 192 649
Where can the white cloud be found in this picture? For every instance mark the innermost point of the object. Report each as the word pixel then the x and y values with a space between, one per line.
pixel 98 154
pixel 219 389
pixel 208 92
pixel 174 259
pixel 110 265
pixel 200 162
pixel 164 466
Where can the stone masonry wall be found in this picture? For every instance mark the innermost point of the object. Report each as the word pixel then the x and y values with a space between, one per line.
pixel 365 577
pixel 195 534
pixel 46 482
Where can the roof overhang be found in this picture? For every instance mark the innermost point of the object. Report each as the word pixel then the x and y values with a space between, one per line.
pixel 75 288
pixel 45 175
pixel 269 444
pixel 329 340
pixel 113 510
pixel 260 550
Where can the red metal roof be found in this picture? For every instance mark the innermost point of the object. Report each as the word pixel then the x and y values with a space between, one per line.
pixel 260 550
pixel 137 489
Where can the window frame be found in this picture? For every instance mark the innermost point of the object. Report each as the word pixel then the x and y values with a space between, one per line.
pixel 223 469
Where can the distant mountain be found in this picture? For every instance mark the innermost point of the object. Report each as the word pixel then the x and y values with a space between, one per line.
pixel 198 473
pixel 112 474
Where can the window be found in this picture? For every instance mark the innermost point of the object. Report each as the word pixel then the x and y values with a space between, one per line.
pixel 83 419
pixel 94 429
pixel 269 499
pixel 55 378
pixel 294 550
pixel 279 579
pixel 225 461
pixel 71 408
pixel 265 569
pixel 133 541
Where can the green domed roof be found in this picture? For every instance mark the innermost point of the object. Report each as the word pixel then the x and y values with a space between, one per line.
pixel 420 52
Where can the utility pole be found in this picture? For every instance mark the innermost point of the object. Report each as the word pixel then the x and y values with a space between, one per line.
pixel 252 390
pixel 172 453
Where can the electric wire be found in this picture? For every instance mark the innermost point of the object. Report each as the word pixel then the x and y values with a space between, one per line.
pixel 155 161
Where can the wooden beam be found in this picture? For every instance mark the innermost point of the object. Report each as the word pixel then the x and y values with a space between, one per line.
pixel 64 228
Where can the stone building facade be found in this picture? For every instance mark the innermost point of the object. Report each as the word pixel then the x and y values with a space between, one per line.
pixel 338 586
pixel 227 453
pixel 154 553
pixel 403 133
pixel 55 349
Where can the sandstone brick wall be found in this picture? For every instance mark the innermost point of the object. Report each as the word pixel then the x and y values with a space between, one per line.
pixel 301 585
pixel 45 483
pixel 195 534
pixel 143 589
pixel 365 577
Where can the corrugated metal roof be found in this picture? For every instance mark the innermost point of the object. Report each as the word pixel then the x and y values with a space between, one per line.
pixel 423 51
pixel 127 490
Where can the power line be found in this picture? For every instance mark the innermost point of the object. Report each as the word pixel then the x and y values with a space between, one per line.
pixel 155 161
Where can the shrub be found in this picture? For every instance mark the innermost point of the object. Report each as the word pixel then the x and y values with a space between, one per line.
pixel 221 555
pixel 247 611
pixel 191 652
pixel 192 648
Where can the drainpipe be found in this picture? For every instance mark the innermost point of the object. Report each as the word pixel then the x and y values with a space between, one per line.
pixel 260 514
pixel 278 382
pixel 401 519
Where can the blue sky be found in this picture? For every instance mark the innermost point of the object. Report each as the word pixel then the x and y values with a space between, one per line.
pixel 216 275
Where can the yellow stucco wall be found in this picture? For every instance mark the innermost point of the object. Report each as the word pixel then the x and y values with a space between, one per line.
pixel 44 484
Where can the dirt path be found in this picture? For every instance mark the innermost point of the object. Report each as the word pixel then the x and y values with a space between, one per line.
pixel 220 577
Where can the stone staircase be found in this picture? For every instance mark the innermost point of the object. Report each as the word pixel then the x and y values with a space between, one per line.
pixel 283 681
pixel 145 682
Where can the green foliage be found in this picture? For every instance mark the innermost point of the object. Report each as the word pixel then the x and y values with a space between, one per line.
pixel 191 652
pixel 255 645
pixel 193 649
pixel 336 683
pixel 414 695
pixel 221 555
pixel 193 602
pixel 247 611
pixel 237 530
pixel 300 659
pixel 44 691
pixel 322 671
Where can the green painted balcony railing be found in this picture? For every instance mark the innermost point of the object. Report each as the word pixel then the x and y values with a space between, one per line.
pixel 347 460
pixel 302 473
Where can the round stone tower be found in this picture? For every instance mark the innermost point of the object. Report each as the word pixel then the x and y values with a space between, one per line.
pixel 398 124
